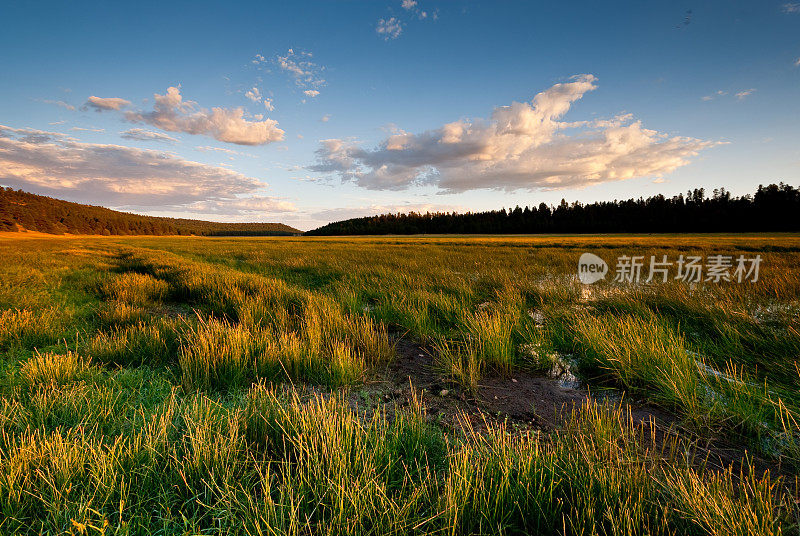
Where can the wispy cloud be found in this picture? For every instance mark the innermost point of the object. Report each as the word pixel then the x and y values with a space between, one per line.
pixel 79 129
pixel 254 94
pixel 390 28
pixel 413 7
pixel 100 104
pixel 141 134
pixel 791 7
pixel 521 146
pixel 299 66
pixel 60 103
pixel 739 95
pixel 311 93
pixel 173 114
pixel 713 96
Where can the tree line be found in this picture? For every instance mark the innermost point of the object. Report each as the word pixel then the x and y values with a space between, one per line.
pixel 23 211
pixel 775 207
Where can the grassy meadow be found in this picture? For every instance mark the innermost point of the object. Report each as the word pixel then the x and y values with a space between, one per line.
pixel 269 386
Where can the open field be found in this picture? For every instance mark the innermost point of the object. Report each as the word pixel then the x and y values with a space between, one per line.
pixel 382 385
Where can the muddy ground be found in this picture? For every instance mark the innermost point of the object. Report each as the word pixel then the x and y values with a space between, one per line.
pixel 526 402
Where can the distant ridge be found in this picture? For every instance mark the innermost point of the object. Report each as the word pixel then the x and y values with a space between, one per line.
pixel 772 208
pixel 23 211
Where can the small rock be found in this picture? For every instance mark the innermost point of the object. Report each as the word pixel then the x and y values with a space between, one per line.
pixel 444 392
pixel 537 317
pixel 514 380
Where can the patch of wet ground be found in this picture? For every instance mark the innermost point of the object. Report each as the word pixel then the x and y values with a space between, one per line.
pixel 525 401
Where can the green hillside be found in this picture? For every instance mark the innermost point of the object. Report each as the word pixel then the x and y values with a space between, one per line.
pixel 23 211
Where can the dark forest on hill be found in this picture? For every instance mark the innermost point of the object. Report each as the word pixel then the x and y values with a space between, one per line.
pixel 772 208
pixel 25 211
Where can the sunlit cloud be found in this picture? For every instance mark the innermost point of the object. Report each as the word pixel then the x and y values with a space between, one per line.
pixel 311 93
pixel 173 114
pixel 100 104
pixel 51 163
pixel 251 205
pixel 60 103
pixel 306 74
pixel 742 94
pixel 141 134
pixel 253 94
pixel 521 146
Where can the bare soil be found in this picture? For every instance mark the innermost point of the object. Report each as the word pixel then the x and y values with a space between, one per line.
pixel 524 402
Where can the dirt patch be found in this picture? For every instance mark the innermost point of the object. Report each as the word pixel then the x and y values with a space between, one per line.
pixel 523 402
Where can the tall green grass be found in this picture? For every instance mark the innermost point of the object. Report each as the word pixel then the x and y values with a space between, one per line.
pixel 153 386
pixel 269 462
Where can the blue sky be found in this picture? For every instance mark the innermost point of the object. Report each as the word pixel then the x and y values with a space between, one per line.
pixel 375 106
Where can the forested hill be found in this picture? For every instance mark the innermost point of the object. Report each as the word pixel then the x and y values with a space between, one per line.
pixel 22 211
pixel 772 208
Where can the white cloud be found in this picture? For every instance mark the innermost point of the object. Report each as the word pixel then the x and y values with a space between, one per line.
pixel 173 114
pixel 207 148
pixel 742 94
pixel 390 28
pixel 311 93
pixel 325 118
pixel 252 205
pixel 61 103
pixel 253 94
pixel 522 146
pixel 53 164
pixel 719 93
pixel 791 7
pixel 305 73
pixel 141 134
pixel 79 129
pixel 413 7
pixel 100 104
